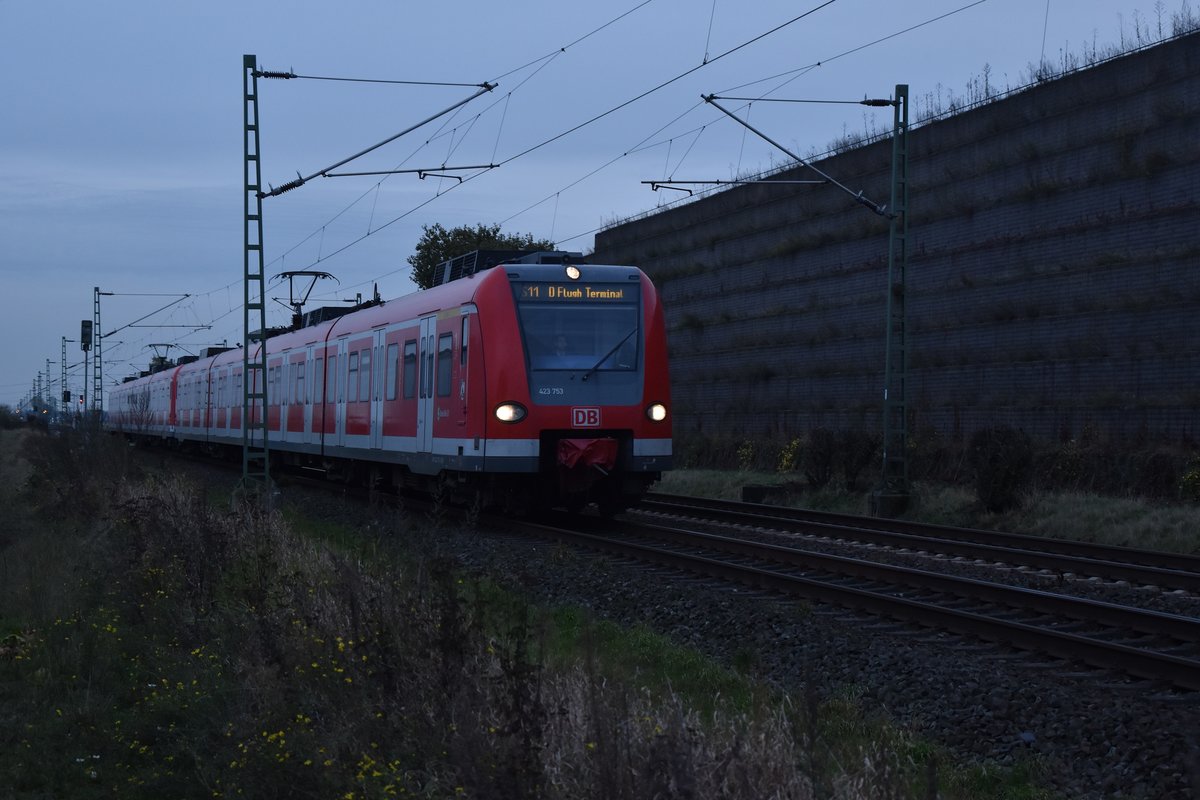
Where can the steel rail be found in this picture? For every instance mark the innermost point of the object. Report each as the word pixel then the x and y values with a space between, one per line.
pixel 1177 670
pixel 1117 563
pixel 1177 626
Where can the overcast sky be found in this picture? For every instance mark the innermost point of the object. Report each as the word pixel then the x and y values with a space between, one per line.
pixel 121 135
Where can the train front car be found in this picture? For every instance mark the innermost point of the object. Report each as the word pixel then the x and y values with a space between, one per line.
pixel 578 391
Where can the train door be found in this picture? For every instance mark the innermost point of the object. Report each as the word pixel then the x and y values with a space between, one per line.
pixel 315 377
pixel 377 366
pixel 206 414
pixel 329 396
pixel 425 390
pixel 340 421
pixel 295 392
pixel 282 389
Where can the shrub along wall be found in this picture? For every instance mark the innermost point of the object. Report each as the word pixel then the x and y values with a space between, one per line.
pixel 1053 280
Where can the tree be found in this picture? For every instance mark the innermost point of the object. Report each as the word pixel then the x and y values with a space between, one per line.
pixel 438 244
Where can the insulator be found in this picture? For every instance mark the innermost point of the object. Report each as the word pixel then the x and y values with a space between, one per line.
pixel 287 187
pixel 268 74
pixel 875 101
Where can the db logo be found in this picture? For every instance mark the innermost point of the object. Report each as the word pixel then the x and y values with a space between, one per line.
pixel 585 418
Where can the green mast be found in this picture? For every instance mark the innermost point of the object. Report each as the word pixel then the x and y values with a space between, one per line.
pixel 255 451
pixel 893 494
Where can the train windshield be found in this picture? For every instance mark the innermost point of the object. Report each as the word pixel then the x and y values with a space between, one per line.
pixel 591 328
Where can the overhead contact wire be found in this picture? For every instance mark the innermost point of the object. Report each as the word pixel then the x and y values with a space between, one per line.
pixel 853 50
pixel 565 47
pixel 668 82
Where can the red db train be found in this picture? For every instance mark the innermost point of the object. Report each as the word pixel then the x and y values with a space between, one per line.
pixel 526 384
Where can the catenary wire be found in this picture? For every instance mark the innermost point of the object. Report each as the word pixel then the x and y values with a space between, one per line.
pixel 555 194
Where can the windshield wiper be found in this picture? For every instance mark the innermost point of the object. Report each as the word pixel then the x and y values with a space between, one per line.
pixel 607 355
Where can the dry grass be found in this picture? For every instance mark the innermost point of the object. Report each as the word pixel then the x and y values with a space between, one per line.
pixel 1089 516
pixel 183 650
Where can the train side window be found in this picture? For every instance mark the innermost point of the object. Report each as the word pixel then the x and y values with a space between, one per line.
pixel 466 335
pixel 364 375
pixel 393 370
pixel 352 379
pixel 410 368
pixel 332 379
pixel 445 363
pixel 318 385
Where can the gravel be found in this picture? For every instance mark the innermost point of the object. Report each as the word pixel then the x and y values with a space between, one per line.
pixel 1099 735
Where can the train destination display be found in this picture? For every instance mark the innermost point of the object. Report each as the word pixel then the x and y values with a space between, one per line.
pixel 534 292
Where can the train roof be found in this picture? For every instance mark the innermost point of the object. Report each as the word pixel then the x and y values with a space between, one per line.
pixel 416 304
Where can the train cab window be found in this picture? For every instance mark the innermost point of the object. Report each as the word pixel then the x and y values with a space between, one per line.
pixel 393 371
pixel 410 368
pixel 352 379
pixel 364 375
pixel 318 384
pixel 445 363
pixel 572 333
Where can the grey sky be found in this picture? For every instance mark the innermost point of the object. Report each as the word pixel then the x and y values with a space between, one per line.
pixel 120 148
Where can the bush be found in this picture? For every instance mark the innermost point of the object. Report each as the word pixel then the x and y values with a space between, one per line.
pixel 855 450
pixel 76 471
pixel 789 457
pixel 819 457
pixel 1001 459
pixel 1189 484
pixel 9 418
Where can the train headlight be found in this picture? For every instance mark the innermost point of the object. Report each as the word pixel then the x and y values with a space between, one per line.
pixel 657 412
pixel 573 272
pixel 510 412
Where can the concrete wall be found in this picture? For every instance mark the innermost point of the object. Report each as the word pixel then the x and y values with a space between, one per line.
pixel 1053 278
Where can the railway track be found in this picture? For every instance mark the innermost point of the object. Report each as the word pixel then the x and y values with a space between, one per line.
pixel 1069 559
pixel 1159 647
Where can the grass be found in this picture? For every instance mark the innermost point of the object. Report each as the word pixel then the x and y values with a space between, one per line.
pixel 157 644
pixel 1087 516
